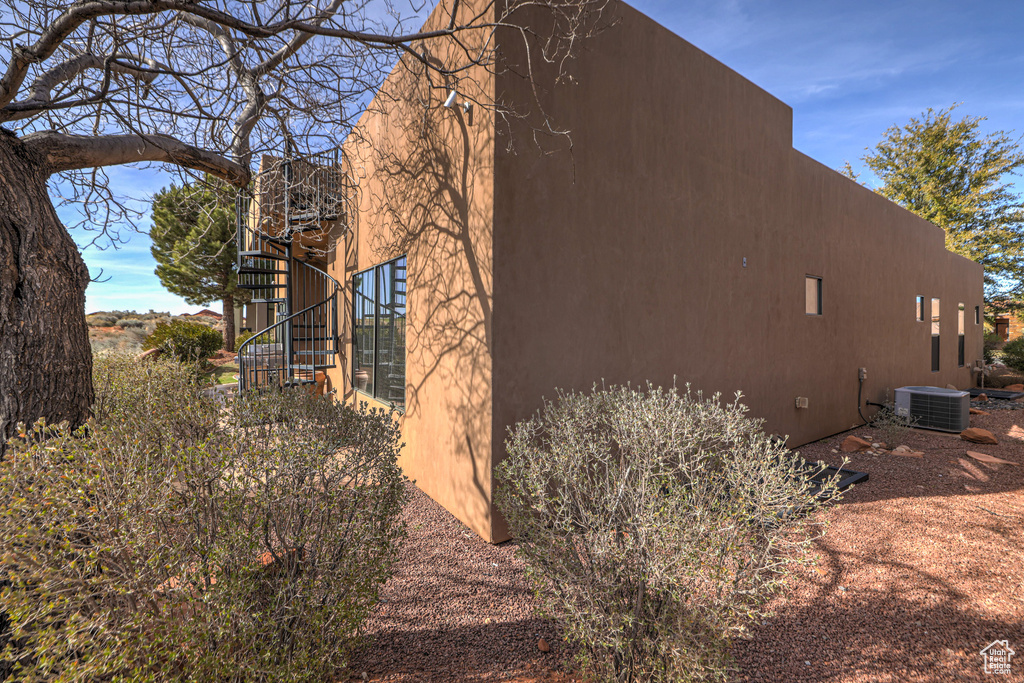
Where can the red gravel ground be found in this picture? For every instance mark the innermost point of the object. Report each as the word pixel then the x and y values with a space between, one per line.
pixel 458 609
pixel 921 568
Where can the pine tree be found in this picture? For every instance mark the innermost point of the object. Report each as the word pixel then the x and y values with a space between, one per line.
pixel 194 246
pixel 945 171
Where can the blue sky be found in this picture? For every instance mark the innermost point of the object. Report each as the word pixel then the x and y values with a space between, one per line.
pixel 848 69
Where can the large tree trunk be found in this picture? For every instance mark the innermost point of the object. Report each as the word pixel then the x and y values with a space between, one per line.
pixel 45 357
pixel 229 323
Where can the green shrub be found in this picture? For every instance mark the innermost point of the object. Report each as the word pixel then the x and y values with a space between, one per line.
pixel 167 540
pixel 1013 354
pixel 653 525
pixel 991 347
pixel 245 336
pixel 186 341
pixel 241 339
pixel 100 320
pixel 135 323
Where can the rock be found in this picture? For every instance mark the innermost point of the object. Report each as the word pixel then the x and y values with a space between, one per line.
pixel 1014 387
pixel 876 445
pixel 950 386
pixel 978 435
pixel 907 451
pixel 979 411
pixel 991 459
pixel 852 444
pixel 543 646
pixel 981 398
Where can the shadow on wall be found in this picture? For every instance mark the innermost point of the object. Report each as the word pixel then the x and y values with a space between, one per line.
pixel 428 190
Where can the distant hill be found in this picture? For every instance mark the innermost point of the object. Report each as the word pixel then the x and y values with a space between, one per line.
pixel 127 330
pixel 205 312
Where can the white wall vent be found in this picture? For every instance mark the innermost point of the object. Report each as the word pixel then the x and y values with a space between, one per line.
pixel 947 410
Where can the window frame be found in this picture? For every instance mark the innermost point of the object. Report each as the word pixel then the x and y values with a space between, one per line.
pixel 919 304
pixel 936 329
pixel 376 272
pixel 961 325
pixel 818 294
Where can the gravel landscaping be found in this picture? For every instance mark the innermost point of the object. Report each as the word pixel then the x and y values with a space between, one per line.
pixel 458 609
pixel 922 567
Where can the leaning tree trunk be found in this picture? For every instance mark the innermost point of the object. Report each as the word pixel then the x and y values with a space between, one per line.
pixel 229 323
pixel 45 357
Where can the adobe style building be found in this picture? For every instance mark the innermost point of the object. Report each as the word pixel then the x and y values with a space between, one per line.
pixel 681 238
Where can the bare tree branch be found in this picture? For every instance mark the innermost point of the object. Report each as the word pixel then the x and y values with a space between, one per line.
pixel 69 152
pixel 238 78
pixel 40 93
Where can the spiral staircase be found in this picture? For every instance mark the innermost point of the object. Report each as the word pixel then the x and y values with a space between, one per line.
pixel 284 226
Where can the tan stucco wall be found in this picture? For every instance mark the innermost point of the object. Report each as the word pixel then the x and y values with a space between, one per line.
pixel 624 262
pixel 425 184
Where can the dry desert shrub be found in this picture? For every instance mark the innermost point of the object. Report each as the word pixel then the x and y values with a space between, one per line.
pixel 654 524
pixel 168 539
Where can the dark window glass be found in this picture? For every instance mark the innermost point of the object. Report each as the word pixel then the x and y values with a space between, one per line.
pixel 379 331
pixel 391 332
pixel 960 335
pixel 363 330
pixel 977 315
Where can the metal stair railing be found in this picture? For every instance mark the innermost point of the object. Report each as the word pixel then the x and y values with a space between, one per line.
pixel 293 197
pixel 293 349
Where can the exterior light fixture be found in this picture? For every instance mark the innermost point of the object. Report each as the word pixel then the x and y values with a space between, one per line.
pixel 467 107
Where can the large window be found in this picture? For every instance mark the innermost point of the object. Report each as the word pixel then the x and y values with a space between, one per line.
pixel 378 332
pixel 935 335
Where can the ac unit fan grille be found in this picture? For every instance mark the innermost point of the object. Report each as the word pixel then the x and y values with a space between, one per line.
pixel 936 412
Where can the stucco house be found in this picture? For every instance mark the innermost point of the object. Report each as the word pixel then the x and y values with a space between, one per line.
pixel 681 238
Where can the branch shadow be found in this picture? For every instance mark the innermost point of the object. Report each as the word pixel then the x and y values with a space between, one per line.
pixel 426 193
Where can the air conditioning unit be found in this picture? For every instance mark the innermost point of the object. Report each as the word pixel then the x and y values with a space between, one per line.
pixel 947 410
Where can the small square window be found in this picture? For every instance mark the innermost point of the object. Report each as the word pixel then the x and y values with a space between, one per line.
pixel 813 295
pixel 920 308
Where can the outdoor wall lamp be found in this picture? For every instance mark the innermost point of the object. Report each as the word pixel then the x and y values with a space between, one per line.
pixel 467 107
